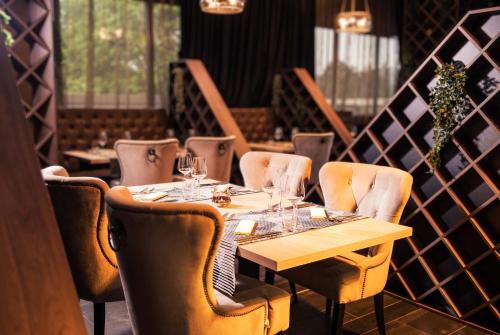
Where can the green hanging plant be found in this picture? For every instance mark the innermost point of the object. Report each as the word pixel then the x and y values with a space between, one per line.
pixel 4 22
pixel 450 105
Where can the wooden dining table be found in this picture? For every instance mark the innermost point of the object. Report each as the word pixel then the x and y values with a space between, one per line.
pixel 285 147
pixel 294 250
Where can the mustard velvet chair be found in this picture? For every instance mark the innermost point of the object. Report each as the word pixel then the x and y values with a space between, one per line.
pixel 316 146
pixel 166 254
pixel 218 152
pixel 79 207
pixel 375 191
pixel 258 166
pixel 146 162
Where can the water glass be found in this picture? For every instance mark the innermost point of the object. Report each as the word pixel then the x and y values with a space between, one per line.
pixel 184 165
pixel 295 193
pixel 199 171
pixel 102 139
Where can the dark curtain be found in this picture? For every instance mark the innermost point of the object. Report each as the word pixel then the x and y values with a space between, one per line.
pixel 243 52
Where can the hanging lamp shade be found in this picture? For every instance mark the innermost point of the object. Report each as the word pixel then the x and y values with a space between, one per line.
pixel 222 7
pixel 355 19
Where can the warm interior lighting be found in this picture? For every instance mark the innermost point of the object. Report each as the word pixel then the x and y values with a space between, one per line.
pixel 222 7
pixel 354 20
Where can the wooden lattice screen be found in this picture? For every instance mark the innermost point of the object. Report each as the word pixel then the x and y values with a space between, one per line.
pixel 451 262
pixel 302 105
pixel 31 55
pixel 425 24
pixel 196 106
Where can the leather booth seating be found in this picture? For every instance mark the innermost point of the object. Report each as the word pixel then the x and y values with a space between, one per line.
pixel 79 207
pixel 256 124
pixel 77 128
pixel 166 254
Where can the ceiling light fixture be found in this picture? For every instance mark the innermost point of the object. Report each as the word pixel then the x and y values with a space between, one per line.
pixel 222 7
pixel 354 20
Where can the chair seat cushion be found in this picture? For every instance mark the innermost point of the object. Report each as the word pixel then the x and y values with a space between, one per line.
pixel 278 300
pixel 338 278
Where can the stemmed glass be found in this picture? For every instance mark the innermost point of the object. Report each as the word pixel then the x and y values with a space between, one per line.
pixel 295 193
pixel 185 165
pixel 268 187
pixel 102 140
pixel 199 171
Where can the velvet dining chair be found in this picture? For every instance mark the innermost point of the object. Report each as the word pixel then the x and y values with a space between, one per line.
pixel 316 146
pixel 375 191
pixel 166 254
pixel 79 207
pixel 146 162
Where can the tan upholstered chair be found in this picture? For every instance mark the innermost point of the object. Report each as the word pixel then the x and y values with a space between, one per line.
pixel 375 191
pixel 218 152
pixel 80 211
pixel 146 162
pixel 316 146
pixel 256 167
pixel 166 254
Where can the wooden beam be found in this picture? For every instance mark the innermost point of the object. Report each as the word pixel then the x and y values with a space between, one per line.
pixel 38 294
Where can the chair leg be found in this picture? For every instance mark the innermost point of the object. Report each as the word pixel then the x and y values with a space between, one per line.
pixel 379 312
pixel 328 309
pixel 293 289
pixel 338 318
pixel 99 318
pixel 269 277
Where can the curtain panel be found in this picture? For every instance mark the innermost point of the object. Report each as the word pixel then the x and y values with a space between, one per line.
pixel 243 52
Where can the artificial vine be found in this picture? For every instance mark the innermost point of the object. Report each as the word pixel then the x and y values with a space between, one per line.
pixel 178 89
pixel 4 22
pixel 450 105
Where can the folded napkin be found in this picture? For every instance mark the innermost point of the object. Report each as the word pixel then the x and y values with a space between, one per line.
pixel 245 227
pixel 150 197
pixel 318 213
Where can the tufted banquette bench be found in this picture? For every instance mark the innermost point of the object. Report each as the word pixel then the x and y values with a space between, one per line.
pixel 256 124
pixel 77 128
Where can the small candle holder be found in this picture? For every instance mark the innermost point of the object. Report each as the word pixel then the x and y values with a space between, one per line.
pixel 222 197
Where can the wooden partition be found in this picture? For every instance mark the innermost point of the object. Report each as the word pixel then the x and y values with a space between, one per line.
pixel 196 105
pixel 303 105
pixel 451 262
pixel 32 59
pixel 38 294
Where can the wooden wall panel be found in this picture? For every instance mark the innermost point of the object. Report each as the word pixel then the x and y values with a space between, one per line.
pixel 38 295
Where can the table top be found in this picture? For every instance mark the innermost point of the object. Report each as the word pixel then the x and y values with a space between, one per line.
pixel 101 156
pixel 273 146
pixel 306 247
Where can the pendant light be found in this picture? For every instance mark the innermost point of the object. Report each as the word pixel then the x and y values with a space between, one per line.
pixel 354 20
pixel 222 7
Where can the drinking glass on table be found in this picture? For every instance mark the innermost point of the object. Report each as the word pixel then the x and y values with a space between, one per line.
pixel 199 171
pixel 102 140
pixel 278 134
pixel 295 193
pixel 269 188
pixel 185 165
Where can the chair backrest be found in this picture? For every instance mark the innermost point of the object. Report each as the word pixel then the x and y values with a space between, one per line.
pixel 258 166
pixel 146 162
pixel 80 212
pixel 376 191
pixel 218 151
pixel 316 146
pixel 166 254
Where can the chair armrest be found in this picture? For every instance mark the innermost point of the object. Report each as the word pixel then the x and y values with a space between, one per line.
pixel 239 308
pixel 363 262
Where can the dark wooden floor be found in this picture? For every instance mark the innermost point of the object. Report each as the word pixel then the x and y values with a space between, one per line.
pixel 307 317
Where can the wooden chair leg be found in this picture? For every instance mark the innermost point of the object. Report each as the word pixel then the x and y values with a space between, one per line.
pixel 99 318
pixel 338 318
pixel 379 312
pixel 328 309
pixel 269 277
pixel 293 289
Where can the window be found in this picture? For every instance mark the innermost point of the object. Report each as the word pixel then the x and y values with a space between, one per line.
pixel 106 58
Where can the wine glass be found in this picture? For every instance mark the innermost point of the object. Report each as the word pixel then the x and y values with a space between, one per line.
pixel 184 165
pixel 269 188
pixel 199 171
pixel 295 193
pixel 278 134
pixel 102 140
pixel 127 135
